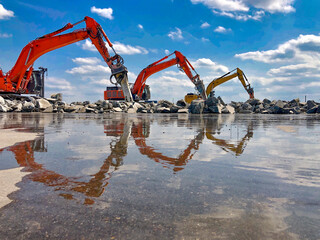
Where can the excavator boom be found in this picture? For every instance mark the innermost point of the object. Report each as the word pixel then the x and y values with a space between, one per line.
pixel 17 79
pixel 228 76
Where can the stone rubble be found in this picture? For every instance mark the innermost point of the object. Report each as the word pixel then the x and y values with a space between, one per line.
pixel 54 104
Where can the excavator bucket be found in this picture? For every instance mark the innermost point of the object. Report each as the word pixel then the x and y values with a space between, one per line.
pixel 125 87
pixel 201 88
pixel 121 76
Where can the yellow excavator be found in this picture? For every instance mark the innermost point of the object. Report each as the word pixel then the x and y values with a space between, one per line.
pixel 224 78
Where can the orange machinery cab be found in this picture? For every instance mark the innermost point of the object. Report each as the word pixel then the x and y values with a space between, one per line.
pixel 113 93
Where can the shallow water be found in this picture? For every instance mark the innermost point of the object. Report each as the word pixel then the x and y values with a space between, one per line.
pixel 122 176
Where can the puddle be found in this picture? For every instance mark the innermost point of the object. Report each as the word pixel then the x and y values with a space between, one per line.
pixel 159 176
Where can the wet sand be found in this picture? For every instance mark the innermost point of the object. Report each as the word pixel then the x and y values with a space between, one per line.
pixel 10 177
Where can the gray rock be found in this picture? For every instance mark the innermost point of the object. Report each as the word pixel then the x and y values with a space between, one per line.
pixel 165 103
pixel 174 109
pixel 48 109
pixel 131 110
pixel 27 106
pixel 311 104
pixel 215 109
pixel 57 96
pixel 197 106
pixel 183 110
pixel 313 110
pixel 221 101
pixel 245 111
pixel 17 107
pixel 163 110
pixel 2 101
pixel 42 103
pixel 280 104
pixel 116 104
pixel 211 101
pixel 254 101
pixel 181 103
pixel 247 106
pixel 73 108
pixel 228 109
pixel 3 108
pixel 117 109
pixel 266 101
pixel 294 102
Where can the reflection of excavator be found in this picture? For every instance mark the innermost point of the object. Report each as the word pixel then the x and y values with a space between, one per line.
pixel 141 91
pixel 139 129
pixel 228 76
pixel 20 79
pixel 238 148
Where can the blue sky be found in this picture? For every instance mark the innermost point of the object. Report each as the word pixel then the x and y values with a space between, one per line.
pixel 275 42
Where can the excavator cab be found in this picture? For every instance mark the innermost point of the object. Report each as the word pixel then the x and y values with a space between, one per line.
pixel 36 83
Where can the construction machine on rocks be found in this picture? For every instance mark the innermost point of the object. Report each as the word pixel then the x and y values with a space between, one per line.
pixel 141 91
pixel 22 78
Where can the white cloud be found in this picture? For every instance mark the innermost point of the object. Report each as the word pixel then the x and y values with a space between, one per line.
pixel 103 12
pixel 4 13
pixel 209 64
pixel 205 25
pixel 58 84
pixel 90 69
pixel 128 49
pixel 119 47
pixel 167 52
pixel 224 5
pixel 5 35
pixel 305 48
pixel 140 26
pixel 176 35
pixel 247 9
pixel 221 29
pixel 203 39
pixel 89 60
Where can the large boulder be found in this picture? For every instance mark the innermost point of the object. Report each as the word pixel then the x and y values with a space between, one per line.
pixel 197 106
pixel 183 110
pixel 2 101
pixel 27 106
pixel 42 103
pixel 57 96
pixel 228 109
pixel 3 108
pixel 311 104
pixel 280 104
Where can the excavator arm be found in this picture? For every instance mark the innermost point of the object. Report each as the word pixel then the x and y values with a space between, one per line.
pixel 17 79
pixel 160 65
pixel 228 76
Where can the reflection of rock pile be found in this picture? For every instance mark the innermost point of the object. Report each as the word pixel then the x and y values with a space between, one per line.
pixel 55 104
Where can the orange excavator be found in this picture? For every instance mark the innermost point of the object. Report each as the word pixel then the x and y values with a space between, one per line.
pixel 20 79
pixel 140 91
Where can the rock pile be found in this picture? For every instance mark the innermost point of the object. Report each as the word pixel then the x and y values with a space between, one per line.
pixel 54 104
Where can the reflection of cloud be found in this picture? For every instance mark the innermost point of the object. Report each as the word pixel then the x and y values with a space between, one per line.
pixel 230 218
pixel 294 161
